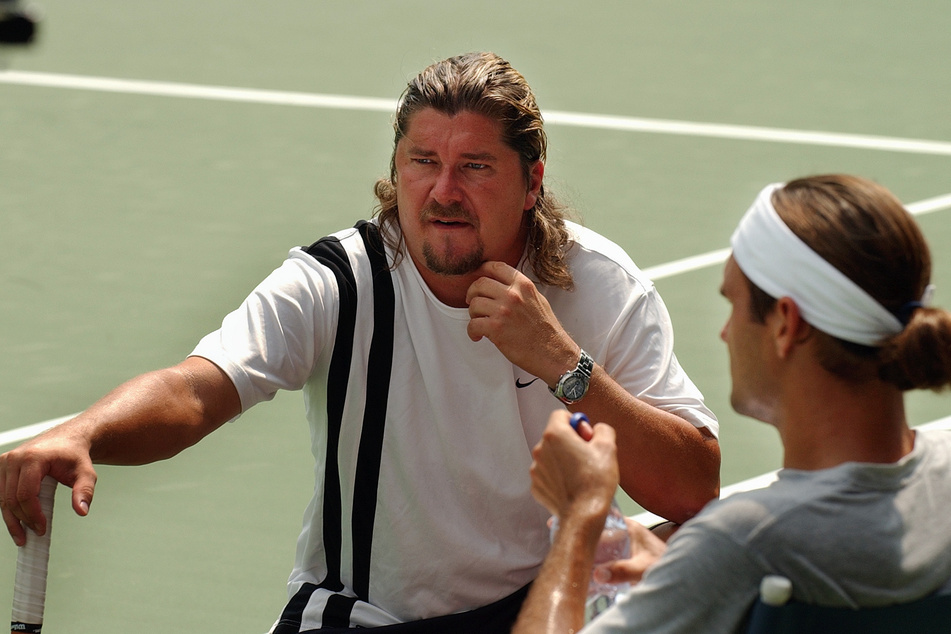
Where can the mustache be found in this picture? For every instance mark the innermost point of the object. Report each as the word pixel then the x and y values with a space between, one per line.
pixel 454 211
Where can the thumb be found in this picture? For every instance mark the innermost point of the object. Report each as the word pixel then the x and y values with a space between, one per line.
pixel 585 430
pixel 623 570
pixel 602 573
pixel 83 489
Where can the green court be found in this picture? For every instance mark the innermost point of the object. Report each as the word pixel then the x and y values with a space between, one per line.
pixel 157 160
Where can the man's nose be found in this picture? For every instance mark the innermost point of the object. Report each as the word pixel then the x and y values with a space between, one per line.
pixel 447 188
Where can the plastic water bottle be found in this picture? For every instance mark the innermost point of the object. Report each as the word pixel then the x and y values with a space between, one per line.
pixel 614 544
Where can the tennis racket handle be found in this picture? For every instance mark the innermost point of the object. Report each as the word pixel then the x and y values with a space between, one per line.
pixel 29 591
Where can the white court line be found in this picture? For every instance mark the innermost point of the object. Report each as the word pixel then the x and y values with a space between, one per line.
pixel 23 433
pixel 712 258
pixel 764 480
pixel 194 91
pixel 750 133
pixel 610 122
pixel 648 519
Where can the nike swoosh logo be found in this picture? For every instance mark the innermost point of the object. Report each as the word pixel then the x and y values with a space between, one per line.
pixel 519 384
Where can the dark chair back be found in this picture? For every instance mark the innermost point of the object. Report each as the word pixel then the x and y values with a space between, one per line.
pixel 930 615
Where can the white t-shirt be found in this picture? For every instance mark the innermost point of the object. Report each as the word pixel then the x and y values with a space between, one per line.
pixel 449 524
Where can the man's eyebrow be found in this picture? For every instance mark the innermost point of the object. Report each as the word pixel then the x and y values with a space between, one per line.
pixel 415 149
pixel 472 156
pixel 479 156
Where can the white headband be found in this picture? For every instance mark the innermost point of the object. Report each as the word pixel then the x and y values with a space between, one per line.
pixel 777 261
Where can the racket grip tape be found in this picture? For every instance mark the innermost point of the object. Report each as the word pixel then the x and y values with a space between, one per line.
pixel 29 590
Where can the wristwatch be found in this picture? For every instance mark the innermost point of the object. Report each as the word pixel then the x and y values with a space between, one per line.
pixel 573 385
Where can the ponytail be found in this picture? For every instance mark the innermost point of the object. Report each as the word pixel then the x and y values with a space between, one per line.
pixel 919 357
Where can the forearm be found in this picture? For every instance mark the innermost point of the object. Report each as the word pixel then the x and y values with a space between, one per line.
pixel 149 418
pixel 556 601
pixel 667 465
pixel 156 415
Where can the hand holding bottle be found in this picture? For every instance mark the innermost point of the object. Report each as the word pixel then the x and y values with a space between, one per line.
pixel 614 544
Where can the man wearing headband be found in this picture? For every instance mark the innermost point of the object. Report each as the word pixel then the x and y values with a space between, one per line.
pixel 830 324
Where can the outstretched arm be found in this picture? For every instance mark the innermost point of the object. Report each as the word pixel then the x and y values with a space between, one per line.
pixel 151 417
pixel 674 470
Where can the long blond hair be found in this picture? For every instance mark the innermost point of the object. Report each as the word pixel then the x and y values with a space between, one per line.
pixel 486 84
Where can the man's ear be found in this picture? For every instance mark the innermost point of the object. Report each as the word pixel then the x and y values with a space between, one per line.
pixel 536 176
pixel 788 327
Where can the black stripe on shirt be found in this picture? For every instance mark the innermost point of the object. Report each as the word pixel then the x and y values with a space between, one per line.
pixel 333 255
pixel 293 613
pixel 379 366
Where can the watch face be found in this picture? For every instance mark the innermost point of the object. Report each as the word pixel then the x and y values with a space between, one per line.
pixel 574 388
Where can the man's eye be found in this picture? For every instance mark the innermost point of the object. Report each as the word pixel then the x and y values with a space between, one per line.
pixel 477 166
pixel 423 161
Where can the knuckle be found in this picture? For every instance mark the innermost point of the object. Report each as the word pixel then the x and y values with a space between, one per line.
pixel 22 497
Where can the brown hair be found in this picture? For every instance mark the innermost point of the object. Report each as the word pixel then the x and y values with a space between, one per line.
pixel 486 84
pixel 861 229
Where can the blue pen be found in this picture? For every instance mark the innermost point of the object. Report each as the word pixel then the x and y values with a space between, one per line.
pixel 576 420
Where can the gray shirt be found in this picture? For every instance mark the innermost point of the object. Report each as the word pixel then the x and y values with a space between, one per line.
pixel 858 534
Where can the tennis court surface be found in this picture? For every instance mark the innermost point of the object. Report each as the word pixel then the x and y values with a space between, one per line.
pixel 158 159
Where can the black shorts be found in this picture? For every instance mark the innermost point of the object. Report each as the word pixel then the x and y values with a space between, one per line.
pixel 495 618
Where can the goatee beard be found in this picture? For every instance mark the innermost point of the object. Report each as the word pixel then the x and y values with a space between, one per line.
pixel 451 263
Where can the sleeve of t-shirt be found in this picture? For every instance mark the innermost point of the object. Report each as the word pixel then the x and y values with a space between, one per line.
pixel 623 322
pixel 273 340
pixel 640 357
